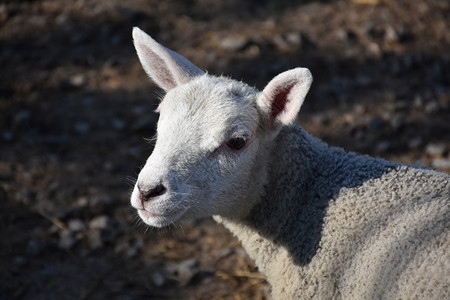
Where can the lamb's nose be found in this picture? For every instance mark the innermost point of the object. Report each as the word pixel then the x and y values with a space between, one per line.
pixel 148 194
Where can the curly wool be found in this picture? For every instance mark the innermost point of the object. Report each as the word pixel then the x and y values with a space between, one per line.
pixel 337 225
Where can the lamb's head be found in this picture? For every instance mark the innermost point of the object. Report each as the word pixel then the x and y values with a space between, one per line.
pixel 213 138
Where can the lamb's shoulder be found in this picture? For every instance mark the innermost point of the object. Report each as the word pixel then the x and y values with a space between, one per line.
pixel 347 214
pixel 392 225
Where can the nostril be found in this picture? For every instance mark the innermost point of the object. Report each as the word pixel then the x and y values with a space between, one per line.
pixel 146 195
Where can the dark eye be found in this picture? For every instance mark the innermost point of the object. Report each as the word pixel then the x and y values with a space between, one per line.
pixel 237 143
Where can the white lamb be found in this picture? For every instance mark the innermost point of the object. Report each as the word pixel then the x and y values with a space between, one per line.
pixel 320 222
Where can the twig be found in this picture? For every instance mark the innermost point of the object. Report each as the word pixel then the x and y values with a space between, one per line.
pixel 57 222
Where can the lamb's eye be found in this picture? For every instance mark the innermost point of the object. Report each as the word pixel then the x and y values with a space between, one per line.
pixel 237 143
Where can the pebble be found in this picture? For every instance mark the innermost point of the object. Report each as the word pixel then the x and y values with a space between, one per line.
pixel 82 127
pixel 376 124
pixel 436 150
pixel 67 240
pixel 100 222
pixel 233 43
pixel 287 42
pixel 118 124
pixel 78 80
pixel 432 107
pixel 99 200
pixel 383 146
pixel 158 278
pixel 94 238
pixel 81 202
pixel 390 35
pixel 76 225
pixel 415 142
pixel 21 117
pixel 441 163
pixel 397 121
pixel 374 50
pixel 418 101
pixel 129 249
pixel 35 247
pixel 225 253
pixel 183 271
pixel 51 271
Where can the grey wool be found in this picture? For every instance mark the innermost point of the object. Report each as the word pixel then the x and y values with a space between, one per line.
pixel 320 222
pixel 352 226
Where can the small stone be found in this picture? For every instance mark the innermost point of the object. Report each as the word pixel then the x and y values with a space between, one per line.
pixel 21 117
pixel 383 146
pixel 108 166
pixel 51 271
pixel 436 150
pixel 81 202
pixel 132 251
pixel 233 43
pixel 294 38
pixel 118 124
pixel 418 101
pixel 397 121
pixel 100 222
pixel 62 19
pixel 415 142
pixel 183 271
pixel 364 80
pixel 76 225
pixel 35 247
pixel 225 253
pixel 432 107
pixel 374 49
pixel 82 127
pixel 390 35
pixel 441 163
pixel 67 240
pixel 158 279
pixel 94 237
pixel 376 124
pixel 78 80
pixel 287 42
pixel 99 200
pixel 88 101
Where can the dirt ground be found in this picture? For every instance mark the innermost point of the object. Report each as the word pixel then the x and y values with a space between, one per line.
pixel 75 107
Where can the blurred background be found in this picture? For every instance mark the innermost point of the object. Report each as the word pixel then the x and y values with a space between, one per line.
pixel 75 107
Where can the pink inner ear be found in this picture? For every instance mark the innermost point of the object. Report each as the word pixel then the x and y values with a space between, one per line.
pixel 280 100
pixel 158 70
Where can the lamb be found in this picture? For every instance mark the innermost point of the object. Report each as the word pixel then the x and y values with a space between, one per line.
pixel 320 222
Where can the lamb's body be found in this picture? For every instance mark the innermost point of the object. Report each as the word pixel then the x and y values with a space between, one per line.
pixel 322 223
pixel 353 227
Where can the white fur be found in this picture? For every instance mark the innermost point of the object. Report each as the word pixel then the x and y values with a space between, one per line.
pixel 320 222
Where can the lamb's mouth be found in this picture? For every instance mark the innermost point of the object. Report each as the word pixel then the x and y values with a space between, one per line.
pixel 161 220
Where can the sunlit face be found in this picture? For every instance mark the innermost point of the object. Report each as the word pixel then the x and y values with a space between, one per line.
pixel 205 153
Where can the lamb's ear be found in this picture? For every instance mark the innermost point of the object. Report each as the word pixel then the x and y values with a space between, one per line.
pixel 281 99
pixel 165 67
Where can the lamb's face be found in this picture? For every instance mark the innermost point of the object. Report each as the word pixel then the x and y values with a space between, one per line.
pixel 206 156
pixel 213 137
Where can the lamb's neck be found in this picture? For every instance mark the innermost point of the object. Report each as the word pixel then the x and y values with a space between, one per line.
pixel 304 176
pixel 289 174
